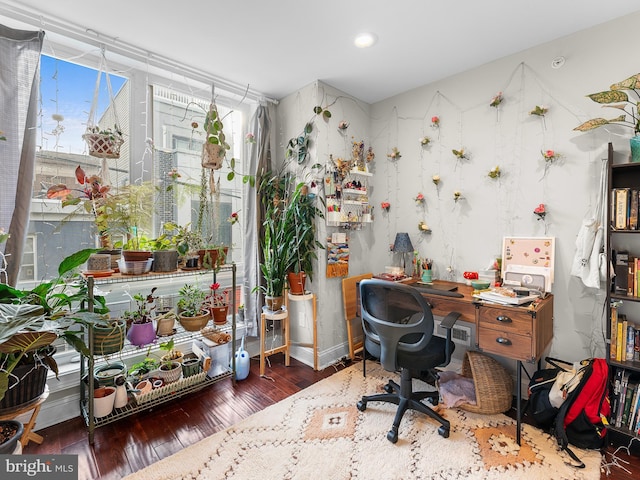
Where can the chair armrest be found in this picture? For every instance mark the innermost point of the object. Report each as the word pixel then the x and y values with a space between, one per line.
pixel 449 321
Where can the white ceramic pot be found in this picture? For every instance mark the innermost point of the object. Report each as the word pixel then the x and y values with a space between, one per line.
pixel 103 399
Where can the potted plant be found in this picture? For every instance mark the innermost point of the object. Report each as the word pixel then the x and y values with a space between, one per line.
pixel 165 248
pixel 140 321
pixel 618 98
pixel 218 303
pixel 30 321
pixel 10 433
pixel 192 311
pixel 300 218
pixel 104 142
pixel 189 243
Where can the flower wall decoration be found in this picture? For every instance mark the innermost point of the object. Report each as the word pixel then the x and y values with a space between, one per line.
pixel 419 198
pixel 435 179
pixel 395 154
pixel 435 121
pixel 540 211
pixel 4 236
pixel 549 155
pixel 2 137
pixel 233 218
pixel 495 172
pixel 343 125
pixel 424 141
pixel 460 154
pixel 423 227
pixel 457 195
pixel 173 174
pixel 385 206
pixel 250 138
pixel 496 100
pixel 539 110
pixel 370 155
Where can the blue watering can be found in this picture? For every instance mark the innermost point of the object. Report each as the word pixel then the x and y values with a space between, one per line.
pixel 242 362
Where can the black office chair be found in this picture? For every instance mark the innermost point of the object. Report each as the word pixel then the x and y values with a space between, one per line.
pixel 398 329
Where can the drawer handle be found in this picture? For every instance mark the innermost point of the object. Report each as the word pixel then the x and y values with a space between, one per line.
pixel 503 319
pixel 503 341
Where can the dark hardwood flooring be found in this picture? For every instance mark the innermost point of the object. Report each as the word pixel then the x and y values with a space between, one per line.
pixel 126 446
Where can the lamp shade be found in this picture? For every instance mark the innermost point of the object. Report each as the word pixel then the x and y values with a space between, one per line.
pixel 402 243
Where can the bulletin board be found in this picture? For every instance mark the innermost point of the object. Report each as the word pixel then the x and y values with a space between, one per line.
pixel 523 253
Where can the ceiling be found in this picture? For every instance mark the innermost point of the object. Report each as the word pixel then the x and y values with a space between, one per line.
pixel 279 46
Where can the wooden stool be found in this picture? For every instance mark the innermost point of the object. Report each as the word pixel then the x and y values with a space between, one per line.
pixel 282 315
pixel 11 413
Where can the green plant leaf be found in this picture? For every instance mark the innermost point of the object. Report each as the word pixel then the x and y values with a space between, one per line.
pixel 75 260
pixel 230 176
pixel 308 128
pixel 630 83
pixel 317 109
pixel 609 97
pixel 326 114
pixel 598 122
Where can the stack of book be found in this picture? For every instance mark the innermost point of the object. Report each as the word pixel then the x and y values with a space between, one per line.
pixel 625 403
pixel 625 338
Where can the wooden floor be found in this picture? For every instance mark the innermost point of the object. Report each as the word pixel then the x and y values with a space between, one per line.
pixel 126 446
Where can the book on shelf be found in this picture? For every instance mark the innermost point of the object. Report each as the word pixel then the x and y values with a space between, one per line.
pixel 631 390
pixel 614 332
pixel 631 341
pixel 621 198
pixel 619 338
pixel 621 280
pixel 633 412
pixel 621 399
pixel 633 210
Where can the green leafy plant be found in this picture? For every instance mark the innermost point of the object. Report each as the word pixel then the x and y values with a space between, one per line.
pixel 191 300
pixel 618 98
pixel 145 305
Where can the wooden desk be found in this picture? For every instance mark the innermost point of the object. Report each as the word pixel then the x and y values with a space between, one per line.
pixel 518 333
pixel 33 406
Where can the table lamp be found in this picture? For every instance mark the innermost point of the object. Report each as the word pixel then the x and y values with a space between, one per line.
pixel 402 245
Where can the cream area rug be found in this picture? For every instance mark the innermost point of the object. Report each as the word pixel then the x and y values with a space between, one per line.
pixel 319 433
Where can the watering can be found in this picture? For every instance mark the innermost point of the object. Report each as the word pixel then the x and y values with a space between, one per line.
pixel 242 362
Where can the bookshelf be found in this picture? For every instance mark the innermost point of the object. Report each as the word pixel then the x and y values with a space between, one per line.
pixel 623 299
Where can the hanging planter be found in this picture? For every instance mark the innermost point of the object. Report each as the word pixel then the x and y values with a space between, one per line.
pixel 103 142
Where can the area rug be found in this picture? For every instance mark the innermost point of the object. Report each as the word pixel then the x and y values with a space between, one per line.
pixel 319 433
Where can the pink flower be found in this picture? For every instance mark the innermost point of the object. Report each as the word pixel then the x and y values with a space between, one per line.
pixel 214 286
pixel 233 218
pixel 540 211
pixel 250 138
pixel 435 121
pixel 419 198
pixel 385 206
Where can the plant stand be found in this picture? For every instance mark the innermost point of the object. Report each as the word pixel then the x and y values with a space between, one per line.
pixel 283 317
pixel 28 434
pixel 304 330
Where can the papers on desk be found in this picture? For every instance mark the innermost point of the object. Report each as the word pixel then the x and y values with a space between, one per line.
pixel 505 299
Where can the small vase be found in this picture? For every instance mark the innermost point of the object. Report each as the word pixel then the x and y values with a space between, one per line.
pixel 635 148
pixel 219 314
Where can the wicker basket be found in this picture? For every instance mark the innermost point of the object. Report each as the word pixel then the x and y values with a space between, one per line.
pixel 103 145
pixel 493 384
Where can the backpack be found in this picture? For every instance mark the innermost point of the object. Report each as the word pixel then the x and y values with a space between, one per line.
pixel 582 418
pixel 538 405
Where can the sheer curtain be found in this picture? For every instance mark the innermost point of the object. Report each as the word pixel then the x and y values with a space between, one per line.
pixel 19 86
pixel 259 162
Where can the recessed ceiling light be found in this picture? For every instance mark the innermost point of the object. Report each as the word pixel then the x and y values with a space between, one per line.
pixel 364 40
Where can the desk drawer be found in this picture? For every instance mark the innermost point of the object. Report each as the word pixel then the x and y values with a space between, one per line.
pixel 506 319
pixel 504 343
pixel 442 306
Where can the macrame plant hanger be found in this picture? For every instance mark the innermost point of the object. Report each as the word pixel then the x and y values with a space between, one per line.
pixel 213 154
pixel 103 142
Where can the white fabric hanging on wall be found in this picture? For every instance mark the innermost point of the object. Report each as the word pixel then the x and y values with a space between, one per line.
pixel 589 262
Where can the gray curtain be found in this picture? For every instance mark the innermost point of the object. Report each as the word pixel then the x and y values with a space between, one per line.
pixel 259 162
pixel 19 87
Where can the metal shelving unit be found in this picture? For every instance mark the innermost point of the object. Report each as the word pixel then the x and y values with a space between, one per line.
pixel 87 365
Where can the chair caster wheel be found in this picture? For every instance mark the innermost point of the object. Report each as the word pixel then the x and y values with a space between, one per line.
pixel 392 436
pixel 388 388
pixel 362 406
pixel 444 432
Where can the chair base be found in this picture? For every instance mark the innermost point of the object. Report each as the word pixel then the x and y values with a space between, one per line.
pixel 406 399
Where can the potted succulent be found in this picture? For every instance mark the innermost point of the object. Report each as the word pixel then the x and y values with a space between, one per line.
pixel 192 311
pixel 188 245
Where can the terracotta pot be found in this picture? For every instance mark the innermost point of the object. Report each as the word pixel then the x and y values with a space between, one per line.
pixel 136 255
pixel 219 314
pixel 193 324
pixel 296 282
pixel 209 257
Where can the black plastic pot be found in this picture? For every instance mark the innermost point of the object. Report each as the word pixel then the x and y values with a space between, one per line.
pixel 9 445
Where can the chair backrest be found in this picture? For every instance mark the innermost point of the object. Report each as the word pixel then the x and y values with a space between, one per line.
pixel 349 295
pixel 395 316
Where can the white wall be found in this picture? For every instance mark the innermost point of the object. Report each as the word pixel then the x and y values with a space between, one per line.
pixel 467 235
